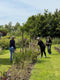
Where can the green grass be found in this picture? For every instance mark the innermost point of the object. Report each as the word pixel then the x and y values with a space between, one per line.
pixel 47 68
pixel 4 60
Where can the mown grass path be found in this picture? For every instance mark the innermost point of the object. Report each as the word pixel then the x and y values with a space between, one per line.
pixel 4 60
pixel 47 68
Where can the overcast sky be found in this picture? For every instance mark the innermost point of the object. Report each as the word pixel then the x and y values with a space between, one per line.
pixel 20 10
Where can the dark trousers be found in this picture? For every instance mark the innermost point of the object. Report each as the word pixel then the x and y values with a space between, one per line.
pixel 49 49
pixel 43 51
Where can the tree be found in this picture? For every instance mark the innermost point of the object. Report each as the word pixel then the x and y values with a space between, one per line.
pixel 17 25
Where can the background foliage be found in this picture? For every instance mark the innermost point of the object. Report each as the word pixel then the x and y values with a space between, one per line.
pixel 43 25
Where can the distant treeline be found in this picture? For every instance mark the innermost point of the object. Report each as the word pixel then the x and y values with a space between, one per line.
pixel 43 25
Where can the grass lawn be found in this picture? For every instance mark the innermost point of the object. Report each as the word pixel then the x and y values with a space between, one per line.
pixel 4 60
pixel 47 68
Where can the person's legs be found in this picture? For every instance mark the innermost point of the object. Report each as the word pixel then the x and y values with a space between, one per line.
pixel 49 49
pixel 44 53
pixel 12 48
pixel 10 54
pixel 41 53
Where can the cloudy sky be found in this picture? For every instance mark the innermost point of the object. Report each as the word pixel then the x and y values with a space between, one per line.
pixel 20 10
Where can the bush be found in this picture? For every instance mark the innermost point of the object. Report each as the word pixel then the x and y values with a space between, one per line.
pixel 18 57
pixel 56 41
pixel 3 33
pixel 7 37
pixel 22 56
pixel 34 57
pixel 4 43
pixel 19 42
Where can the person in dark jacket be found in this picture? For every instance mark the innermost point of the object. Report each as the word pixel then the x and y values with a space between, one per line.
pixel 48 43
pixel 12 48
pixel 42 47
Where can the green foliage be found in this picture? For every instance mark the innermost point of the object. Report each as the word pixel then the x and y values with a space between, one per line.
pixel 4 43
pixel 56 41
pixel 29 53
pixel 44 25
pixel 18 57
pixel 34 57
pixel 19 42
pixel 3 30
pixel 17 25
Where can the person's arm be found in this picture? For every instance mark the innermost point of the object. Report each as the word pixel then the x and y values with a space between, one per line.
pixel 38 43
pixel 46 42
pixel 50 42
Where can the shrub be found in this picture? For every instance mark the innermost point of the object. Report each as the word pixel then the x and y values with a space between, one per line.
pixel 18 57
pixel 56 41
pixel 3 33
pixel 7 37
pixel 4 43
pixel 34 57
pixel 28 55
pixel 19 42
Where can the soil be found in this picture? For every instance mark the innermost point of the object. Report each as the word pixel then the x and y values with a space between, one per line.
pixel 20 74
pixel 25 74
pixel 29 69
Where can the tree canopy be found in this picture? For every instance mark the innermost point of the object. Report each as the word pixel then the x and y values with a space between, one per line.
pixel 46 24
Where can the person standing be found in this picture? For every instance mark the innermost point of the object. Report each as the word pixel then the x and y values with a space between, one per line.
pixel 12 48
pixel 48 43
pixel 42 47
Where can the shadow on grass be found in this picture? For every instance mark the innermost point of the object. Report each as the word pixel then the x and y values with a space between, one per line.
pixel 42 61
pixel 55 54
pixel 49 57
pixel 5 61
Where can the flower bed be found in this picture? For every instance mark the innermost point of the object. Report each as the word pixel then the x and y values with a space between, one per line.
pixel 57 48
pixel 17 73
pixel 23 63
